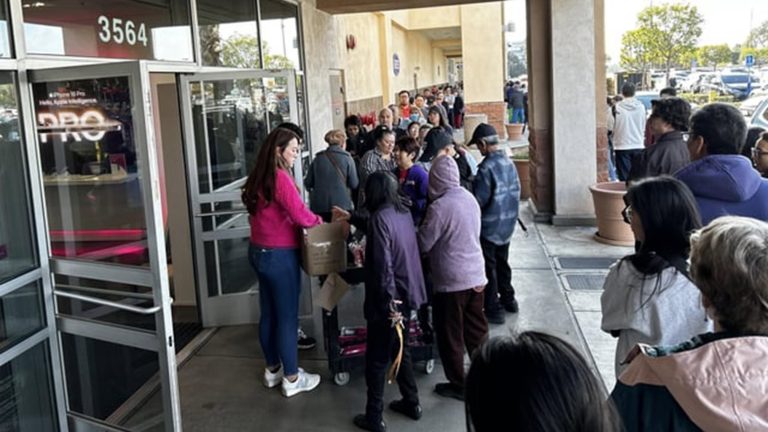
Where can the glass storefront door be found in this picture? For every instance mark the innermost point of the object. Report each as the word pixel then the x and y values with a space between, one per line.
pixel 105 232
pixel 227 117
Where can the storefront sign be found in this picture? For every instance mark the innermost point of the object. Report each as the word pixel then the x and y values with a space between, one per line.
pixel 396 64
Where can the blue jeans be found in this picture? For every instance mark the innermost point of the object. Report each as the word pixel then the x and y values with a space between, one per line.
pixel 279 287
pixel 518 115
pixel 611 161
pixel 624 162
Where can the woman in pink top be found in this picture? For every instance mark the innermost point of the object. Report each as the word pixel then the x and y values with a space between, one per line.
pixel 277 215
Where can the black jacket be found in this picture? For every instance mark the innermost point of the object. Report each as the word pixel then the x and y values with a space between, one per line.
pixel 669 154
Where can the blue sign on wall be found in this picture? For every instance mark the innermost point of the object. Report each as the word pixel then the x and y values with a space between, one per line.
pixel 396 64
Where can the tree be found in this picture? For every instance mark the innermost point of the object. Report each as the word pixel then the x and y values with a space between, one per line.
pixel 515 66
pixel 635 51
pixel 714 55
pixel 242 51
pixel 665 35
pixel 758 37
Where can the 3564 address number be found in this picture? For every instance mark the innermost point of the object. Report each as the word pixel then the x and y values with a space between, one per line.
pixel 121 31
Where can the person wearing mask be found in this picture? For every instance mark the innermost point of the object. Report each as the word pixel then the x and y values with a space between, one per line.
pixel 356 136
pixel 438 143
pixel 648 297
pixel 669 124
pixel 277 214
pixel 535 382
pixel 760 155
pixel 450 236
pixel 497 190
pixel 650 138
pixel 715 381
pixel 628 130
pixel 332 177
pixel 723 181
pixel 394 286
pixel 413 179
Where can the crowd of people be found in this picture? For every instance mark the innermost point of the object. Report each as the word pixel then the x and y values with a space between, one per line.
pixel 690 302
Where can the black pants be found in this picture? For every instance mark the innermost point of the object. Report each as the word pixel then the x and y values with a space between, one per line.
pixel 624 160
pixel 459 324
pixel 499 275
pixel 382 345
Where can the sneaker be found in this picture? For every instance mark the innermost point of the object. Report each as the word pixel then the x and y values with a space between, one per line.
pixel 450 390
pixel 304 382
pixel 364 423
pixel 305 342
pixel 495 317
pixel 406 409
pixel 511 306
pixel 272 379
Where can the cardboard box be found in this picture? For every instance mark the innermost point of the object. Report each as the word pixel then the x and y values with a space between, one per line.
pixel 333 289
pixel 325 249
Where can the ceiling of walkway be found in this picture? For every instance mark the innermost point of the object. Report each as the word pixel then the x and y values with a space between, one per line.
pixel 354 6
pixel 448 39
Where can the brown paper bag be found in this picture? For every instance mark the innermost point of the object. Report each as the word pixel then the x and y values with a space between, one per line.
pixel 332 291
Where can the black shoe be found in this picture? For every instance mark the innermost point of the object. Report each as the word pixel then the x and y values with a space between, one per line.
pixel 511 306
pixel 305 342
pixel 450 390
pixel 495 317
pixel 406 409
pixel 362 422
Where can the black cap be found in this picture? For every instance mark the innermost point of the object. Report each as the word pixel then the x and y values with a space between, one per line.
pixel 484 131
pixel 435 141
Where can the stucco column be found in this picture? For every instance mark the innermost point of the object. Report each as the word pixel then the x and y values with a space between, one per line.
pixel 539 48
pixel 482 48
pixel 385 58
pixel 574 109
pixel 601 92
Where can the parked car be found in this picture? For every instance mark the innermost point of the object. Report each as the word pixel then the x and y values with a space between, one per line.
pixel 738 85
pixel 692 81
pixel 749 106
pixel 760 115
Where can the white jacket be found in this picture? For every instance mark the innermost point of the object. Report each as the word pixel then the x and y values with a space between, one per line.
pixel 629 125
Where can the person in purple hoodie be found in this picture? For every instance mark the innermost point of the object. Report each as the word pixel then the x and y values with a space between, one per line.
pixel 394 286
pixel 721 179
pixel 450 235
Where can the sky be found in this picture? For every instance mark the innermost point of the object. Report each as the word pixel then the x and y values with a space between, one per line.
pixel 725 21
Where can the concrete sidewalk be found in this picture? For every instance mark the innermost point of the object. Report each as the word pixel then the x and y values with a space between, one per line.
pixel 221 386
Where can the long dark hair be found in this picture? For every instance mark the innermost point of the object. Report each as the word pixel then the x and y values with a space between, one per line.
pixel 535 382
pixel 443 122
pixel 380 190
pixel 668 214
pixel 261 180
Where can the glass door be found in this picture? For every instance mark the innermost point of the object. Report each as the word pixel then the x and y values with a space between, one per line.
pixel 227 116
pixel 105 235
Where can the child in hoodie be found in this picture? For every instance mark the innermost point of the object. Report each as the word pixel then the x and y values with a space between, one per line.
pixel 450 235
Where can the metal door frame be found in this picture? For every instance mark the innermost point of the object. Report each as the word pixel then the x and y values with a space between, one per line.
pixel 155 277
pixel 213 308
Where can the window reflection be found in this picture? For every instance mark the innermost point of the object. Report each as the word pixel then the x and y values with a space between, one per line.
pixel 132 29
pixel 25 392
pixel 91 175
pixel 280 35
pixel 228 33
pixel 17 251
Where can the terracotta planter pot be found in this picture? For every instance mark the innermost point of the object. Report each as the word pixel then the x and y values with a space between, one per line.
pixel 609 202
pixel 514 131
pixel 523 171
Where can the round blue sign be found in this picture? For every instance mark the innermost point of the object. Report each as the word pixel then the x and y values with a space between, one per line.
pixel 396 64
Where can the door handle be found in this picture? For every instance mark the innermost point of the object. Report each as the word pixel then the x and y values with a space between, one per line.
pixel 116 305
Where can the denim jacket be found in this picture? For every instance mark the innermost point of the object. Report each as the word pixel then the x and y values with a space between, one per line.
pixel 497 190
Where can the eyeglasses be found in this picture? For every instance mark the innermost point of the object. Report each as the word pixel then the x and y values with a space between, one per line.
pixel 756 153
pixel 627 214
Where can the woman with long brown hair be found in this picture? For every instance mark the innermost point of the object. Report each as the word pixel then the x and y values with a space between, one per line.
pixel 277 215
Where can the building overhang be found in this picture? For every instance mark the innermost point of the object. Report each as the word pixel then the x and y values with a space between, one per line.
pixel 357 6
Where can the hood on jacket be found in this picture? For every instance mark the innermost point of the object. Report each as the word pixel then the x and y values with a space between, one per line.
pixel 443 175
pixel 722 177
pixel 631 104
pixel 719 385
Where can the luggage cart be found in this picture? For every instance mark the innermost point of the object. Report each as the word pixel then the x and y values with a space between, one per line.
pixel 346 346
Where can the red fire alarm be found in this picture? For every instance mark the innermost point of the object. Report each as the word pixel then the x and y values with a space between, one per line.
pixel 351 42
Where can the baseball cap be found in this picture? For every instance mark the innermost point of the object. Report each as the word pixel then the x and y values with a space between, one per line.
pixel 484 131
pixel 435 141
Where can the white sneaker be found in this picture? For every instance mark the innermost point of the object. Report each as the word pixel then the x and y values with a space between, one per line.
pixel 304 382
pixel 272 379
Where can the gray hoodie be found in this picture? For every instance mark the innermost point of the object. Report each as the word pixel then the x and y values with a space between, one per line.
pixel 450 231
pixel 629 125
